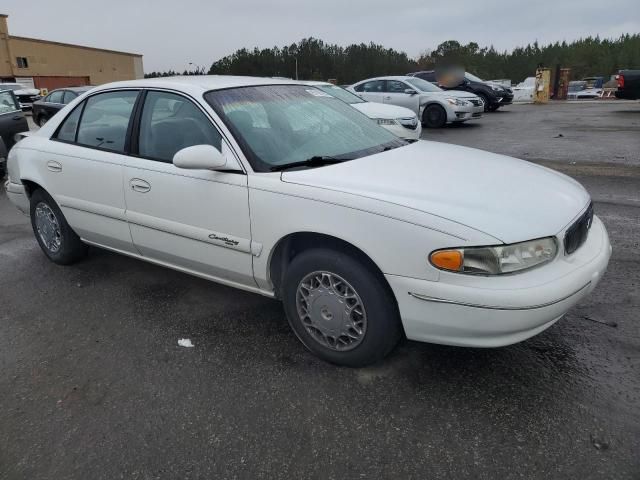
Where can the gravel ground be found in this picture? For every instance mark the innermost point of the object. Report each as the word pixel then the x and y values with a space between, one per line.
pixel 93 383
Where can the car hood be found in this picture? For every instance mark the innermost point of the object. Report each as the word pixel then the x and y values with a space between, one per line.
pixel 27 91
pixel 382 110
pixel 509 199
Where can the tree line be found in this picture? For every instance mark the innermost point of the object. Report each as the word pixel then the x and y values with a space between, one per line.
pixel 314 59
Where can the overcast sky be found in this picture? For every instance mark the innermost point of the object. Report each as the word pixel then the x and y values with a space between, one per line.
pixel 172 33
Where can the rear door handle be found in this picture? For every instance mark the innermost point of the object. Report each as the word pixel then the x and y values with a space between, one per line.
pixel 54 166
pixel 139 185
pixel 387 98
pixel 18 117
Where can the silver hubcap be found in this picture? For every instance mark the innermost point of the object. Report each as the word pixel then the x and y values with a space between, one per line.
pixel 331 310
pixel 48 227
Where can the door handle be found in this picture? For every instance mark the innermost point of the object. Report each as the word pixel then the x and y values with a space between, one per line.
pixel 54 167
pixel 139 185
pixel 18 117
pixel 387 97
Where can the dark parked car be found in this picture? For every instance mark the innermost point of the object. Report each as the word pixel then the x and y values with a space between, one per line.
pixel 493 95
pixel 25 95
pixel 47 107
pixel 628 84
pixel 12 121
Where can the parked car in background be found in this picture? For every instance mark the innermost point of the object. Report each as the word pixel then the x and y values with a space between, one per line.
pixel 434 106
pixel 494 96
pixel 628 84
pixel 47 107
pixel 12 122
pixel 297 196
pixel 398 120
pixel 26 96
pixel 579 89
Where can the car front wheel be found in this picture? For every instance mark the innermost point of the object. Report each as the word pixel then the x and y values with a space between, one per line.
pixel 340 309
pixel 434 116
pixel 54 235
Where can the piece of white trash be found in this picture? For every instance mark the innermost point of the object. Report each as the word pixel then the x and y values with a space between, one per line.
pixel 185 342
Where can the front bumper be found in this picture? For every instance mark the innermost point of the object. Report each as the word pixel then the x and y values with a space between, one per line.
pixel 468 112
pixel 18 196
pixel 477 311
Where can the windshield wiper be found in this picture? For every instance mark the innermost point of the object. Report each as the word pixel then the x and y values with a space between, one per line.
pixel 315 161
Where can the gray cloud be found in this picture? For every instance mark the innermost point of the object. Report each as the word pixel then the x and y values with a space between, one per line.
pixel 170 34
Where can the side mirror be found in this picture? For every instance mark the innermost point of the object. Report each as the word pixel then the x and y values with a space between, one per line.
pixel 204 157
pixel 410 91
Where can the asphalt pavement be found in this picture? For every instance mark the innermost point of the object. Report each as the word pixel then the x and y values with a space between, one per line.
pixel 93 384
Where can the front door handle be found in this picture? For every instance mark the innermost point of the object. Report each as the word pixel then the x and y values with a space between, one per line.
pixel 54 167
pixel 387 98
pixel 139 185
pixel 18 117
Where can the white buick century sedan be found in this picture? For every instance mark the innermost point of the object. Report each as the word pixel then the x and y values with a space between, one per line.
pixel 268 186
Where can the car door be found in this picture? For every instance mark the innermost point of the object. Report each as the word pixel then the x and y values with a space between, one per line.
pixel 395 94
pixel 12 120
pixel 196 220
pixel 83 168
pixel 371 91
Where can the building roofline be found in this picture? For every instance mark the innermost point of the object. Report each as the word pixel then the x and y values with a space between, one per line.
pixel 84 47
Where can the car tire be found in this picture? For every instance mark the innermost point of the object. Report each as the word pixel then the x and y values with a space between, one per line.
pixel 54 235
pixel 42 120
pixel 341 309
pixel 487 103
pixel 434 116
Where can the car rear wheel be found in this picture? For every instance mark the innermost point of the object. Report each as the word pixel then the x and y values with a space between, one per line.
pixel 340 309
pixel 54 235
pixel 42 120
pixel 434 116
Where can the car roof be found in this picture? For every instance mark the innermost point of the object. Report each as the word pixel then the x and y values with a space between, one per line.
pixel 313 83
pixel 389 77
pixel 85 88
pixel 197 83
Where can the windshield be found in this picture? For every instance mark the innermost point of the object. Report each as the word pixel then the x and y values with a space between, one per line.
pixel 11 86
pixel 423 85
pixel 472 77
pixel 340 93
pixel 281 124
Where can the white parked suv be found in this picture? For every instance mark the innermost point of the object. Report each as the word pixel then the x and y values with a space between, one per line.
pixel 398 120
pixel 267 186
pixel 434 106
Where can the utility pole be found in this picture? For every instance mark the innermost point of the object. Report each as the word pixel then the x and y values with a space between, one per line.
pixel 296 68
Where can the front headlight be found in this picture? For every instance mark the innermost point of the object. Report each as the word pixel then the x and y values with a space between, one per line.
pixel 496 260
pixel 496 88
pixel 409 122
pixel 385 121
pixel 457 102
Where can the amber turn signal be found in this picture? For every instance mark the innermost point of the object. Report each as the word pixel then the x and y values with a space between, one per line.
pixel 448 260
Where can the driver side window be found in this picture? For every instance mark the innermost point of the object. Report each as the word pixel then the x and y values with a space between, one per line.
pixel 171 122
pixel 395 86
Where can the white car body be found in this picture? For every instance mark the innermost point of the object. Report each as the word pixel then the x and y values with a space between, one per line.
pixel 395 207
pixel 472 108
pixel 400 121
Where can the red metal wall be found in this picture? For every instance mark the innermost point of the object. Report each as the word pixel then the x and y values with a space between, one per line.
pixel 51 83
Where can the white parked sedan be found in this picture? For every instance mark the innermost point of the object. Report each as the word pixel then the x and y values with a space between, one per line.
pixel 400 121
pixel 266 186
pixel 434 106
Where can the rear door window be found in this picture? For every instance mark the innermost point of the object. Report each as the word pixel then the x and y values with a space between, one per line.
pixel 105 120
pixel 56 97
pixel 69 96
